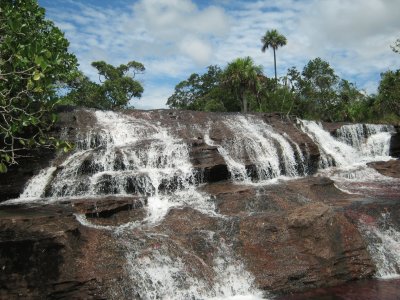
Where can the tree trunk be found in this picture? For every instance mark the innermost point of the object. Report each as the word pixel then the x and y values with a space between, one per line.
pixel 276 78
pixel 244 98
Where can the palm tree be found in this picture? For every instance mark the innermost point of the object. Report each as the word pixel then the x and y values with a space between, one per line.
pixel 242 76
pixel 273 39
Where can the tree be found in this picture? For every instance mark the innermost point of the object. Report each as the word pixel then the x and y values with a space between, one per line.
pixel 85 93
pixel 242 77
pixel 34 64
pixel 351 104
pixel 118 84
pixel 203 92
pixel 273 39
pixel 396 46
pixel 318 88
pixel 389 93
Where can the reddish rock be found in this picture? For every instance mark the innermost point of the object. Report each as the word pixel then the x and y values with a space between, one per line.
pixel 111 210
pixel 293 235
pixel 289 239
pixel 389 168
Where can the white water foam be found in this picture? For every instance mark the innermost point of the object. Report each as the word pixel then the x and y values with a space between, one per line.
pixel 158 276
pixel 37 184
pixel 370 139
pixel 256 144
pixel 384 246
pixel 356 144
pixel 121 156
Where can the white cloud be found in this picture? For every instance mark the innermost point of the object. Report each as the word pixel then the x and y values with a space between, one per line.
pixel 200 51
pixel 353 36
pixel 154 96
pixel 174 38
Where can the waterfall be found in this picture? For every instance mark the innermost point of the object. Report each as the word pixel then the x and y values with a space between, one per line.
pixel 159 275
pixel 257 152
pixel 333 152
pixel 383 245
pixel 370 139
pixel 124 155
pixel 355 143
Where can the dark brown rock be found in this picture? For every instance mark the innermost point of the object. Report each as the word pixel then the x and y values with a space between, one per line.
pixel 289 239
pixel 111 210
pixel 12 183
pixel 292 236
pixel 389 168
pixel 395 143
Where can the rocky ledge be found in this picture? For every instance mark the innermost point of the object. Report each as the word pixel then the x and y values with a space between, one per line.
pixel 291 236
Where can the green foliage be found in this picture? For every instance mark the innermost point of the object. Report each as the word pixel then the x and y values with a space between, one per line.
pixel 389 93
pixel 117 87
pixel 34 63
pixel 315 93
pixel 318 86
pixel 396 46
pixel 84 93
pixel 203 92
pixel 273 39
pixel 242 77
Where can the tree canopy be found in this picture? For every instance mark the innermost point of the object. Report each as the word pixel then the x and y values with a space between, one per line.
pixel 273 39
pixel 396 46
pixel 34 64
pixel 117 86
pixel 242 77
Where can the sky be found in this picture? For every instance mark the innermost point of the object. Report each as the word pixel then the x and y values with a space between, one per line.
pixel 175 38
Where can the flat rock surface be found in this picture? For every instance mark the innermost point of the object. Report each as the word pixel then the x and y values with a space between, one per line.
pixel 389 168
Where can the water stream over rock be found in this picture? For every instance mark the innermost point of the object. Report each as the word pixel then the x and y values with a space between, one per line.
pixel 207 206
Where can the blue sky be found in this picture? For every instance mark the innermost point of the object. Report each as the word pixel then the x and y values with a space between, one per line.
pixel 174 38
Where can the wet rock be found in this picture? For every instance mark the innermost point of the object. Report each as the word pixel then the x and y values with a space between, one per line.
pixel 395 143
pixel 111 210
pixel 39 252
pixel 389 168
pixel 293 236
pixel 12 183
pixel 208 162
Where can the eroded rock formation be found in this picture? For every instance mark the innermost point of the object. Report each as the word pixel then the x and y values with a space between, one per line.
pixel 291 236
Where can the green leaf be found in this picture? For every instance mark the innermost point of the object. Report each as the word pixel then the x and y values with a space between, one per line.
pixel 7 157
pixel 3 168
pixel 39 60
pixel 54 118
pixel 30 84
pixel 34 120
pixel 47 53
pixel 38 89
pixel 36 76
pixel 22 142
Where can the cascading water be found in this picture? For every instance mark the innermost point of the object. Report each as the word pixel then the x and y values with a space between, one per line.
pixel 383 245
pixel 158 275
pixel 256 145
pixel 354 146
pixel 370 139
pixel 333 152
pixel 355 143
pixel 122 155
